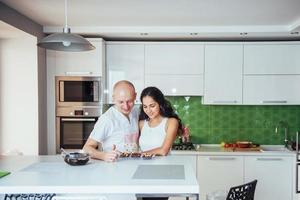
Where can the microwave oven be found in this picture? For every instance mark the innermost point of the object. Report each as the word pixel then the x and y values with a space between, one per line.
pixel 78 91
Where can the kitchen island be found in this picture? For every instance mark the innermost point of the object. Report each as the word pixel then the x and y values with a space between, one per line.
pixel 161 176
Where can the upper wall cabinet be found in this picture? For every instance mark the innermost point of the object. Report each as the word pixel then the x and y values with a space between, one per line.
pixel 271 73
pixel 174 58
pixel 272 90
pixel 176 68
pixel 223 74
pixel 81 63
pixel 176 85
pixel 272 58
pixel 125 61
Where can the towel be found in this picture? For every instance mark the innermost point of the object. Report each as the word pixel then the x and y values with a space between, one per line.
pixel 3 173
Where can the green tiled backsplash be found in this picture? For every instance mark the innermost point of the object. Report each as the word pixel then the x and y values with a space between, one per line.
pixel 212 124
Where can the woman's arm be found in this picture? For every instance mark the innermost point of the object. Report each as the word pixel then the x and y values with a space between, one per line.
pixel 141 125
pixel 171 132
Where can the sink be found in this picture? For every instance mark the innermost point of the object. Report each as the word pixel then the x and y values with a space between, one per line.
pixel 274 148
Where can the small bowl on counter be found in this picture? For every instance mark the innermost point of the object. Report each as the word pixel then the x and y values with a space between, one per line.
pixel 75 158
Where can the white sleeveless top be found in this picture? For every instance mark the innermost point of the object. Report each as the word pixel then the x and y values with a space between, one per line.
pixel 152 137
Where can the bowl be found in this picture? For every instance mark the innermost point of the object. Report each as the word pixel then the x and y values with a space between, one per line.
pixel 76 158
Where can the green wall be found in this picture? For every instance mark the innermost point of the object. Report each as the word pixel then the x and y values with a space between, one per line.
pixel 212 124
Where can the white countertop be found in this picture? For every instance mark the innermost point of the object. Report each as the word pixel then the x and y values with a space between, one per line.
pixel 50 174
pixel 212 149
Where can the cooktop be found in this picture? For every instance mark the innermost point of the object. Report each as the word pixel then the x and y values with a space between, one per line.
pixel 186 146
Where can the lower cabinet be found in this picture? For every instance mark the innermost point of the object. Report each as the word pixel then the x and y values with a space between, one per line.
pixel 218 173
pixel 274 176
pixel 193 162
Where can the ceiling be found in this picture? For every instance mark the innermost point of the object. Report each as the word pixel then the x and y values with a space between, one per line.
pixel 168 19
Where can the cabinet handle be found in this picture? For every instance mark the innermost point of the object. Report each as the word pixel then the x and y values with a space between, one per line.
pixel 221 158
pixel 78 119
pixel 283 101
pixel 78 73
pixel 225 101
pixel 269 159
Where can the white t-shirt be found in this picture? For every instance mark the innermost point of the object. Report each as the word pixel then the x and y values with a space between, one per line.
pixel 114 128
pixel 152 137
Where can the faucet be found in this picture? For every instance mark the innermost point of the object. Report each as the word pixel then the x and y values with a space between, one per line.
pixel 285 125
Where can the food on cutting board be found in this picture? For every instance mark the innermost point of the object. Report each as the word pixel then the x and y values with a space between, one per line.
pixel 230 145
pixel 239 144
pixel 125 155
pixel 147 155
pixel 244 144
pixel 136 155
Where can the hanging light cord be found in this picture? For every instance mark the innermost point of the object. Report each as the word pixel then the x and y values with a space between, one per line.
pixel 66 14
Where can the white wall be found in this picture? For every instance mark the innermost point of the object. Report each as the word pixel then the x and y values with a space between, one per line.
pixel 51 70
pixel 19 95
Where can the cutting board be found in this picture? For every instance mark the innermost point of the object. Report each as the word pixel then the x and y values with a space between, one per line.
pixel 247 149
pixel 230 149
pixel 3 173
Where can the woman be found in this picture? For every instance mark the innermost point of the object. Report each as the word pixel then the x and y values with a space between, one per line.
pixel 158 123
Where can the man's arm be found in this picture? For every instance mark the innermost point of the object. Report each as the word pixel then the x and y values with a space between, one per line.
pixel 90 147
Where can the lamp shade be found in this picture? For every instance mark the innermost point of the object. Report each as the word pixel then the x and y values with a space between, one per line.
pixel 65 42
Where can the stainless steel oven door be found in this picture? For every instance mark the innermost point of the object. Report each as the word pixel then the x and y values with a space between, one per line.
pixel 73 132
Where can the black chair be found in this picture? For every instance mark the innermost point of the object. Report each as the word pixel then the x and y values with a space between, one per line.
pixel 242 192
pixel 29 196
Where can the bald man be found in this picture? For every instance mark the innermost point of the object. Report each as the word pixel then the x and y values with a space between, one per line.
pixel 117 129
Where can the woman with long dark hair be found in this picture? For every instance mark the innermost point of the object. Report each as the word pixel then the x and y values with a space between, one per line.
pixel 158 123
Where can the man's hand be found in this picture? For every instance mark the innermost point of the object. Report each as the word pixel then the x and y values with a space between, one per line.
pixel 111 156
pixel 90 147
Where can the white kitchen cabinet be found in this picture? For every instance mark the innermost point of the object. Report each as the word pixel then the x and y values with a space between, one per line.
pixel 175 68
pixel 219 173
pixel 272 58
pixel 125 61
pixel 81 63
pixel 176 85
pixel 174 58
pixel 271 73
pixel 274 175
pixel 271 89
pixel 193 163
pixel 223 74
pixel 86 63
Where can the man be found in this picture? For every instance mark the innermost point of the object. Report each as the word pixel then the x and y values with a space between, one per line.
pixel 117 129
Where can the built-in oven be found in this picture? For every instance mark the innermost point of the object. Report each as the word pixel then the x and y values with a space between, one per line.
pixel 78 90
pixel 74 125
pixel 78 106
pixel 75 131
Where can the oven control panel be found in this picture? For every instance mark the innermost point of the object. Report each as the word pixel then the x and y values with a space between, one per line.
pixel 80 112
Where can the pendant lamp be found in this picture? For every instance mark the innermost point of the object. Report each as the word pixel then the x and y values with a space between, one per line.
pixel 65 41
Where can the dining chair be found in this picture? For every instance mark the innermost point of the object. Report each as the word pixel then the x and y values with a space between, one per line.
pixel 242 192
pixel 29 196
